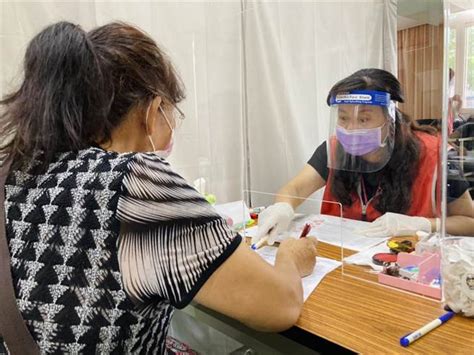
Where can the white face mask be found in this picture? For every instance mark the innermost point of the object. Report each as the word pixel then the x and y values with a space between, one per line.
pixel 165 153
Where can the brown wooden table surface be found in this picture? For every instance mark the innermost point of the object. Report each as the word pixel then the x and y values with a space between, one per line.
pixel 369 318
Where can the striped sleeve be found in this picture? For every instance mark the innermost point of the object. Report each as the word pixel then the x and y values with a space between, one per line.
pixel 171 239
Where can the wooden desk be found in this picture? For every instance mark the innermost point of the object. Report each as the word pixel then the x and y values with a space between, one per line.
pixel 369 318
pixel 345 312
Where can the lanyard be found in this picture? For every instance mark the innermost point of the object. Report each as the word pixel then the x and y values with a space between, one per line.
pixel 364 191
pixel 363 197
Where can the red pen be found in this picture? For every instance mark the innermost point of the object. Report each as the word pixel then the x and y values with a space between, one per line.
pixel 306 230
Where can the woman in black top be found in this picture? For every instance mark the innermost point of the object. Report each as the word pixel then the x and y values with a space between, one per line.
pixel 388 187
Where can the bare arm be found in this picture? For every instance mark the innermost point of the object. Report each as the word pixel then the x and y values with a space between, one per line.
pixel 460 220
pixel 460 216
pixel 247 288
pixel 301 186
pixel 200 258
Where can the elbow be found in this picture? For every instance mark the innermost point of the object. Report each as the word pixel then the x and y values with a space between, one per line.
pixel 279 321
pixel 287 318
pixel 291 306
pixel 282 314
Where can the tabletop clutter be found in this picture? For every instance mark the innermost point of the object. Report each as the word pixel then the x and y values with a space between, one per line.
pixel 419 263
pixel 422 263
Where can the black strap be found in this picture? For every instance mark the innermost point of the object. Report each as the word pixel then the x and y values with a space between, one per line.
pixel 12 327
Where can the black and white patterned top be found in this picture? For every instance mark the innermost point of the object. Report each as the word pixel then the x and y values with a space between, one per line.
pixel 97 227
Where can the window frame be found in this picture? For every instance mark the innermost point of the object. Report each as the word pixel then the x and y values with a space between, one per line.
pixel 460 23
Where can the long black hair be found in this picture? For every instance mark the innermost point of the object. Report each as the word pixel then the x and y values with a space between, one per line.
pixel 78 87
pixel 396 178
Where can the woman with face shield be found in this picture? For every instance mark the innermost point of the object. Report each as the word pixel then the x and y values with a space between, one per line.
pixel 377 163
pixel 105 238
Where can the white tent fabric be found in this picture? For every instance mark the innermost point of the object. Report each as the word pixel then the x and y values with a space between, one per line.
pixel 203 40
pixel 294 54
pixel 257 73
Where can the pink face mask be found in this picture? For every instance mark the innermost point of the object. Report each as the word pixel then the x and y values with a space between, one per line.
pixel 164 153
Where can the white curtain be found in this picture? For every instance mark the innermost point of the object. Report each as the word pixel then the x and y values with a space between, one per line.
pixel 294 54
pixel 203 40
pixel 257 74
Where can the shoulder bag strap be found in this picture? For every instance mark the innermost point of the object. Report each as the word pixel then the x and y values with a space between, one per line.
pixel 12 327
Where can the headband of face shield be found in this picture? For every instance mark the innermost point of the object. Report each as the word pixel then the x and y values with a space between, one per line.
pixel 361 131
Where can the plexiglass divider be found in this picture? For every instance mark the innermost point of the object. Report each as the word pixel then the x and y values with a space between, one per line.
pixel 234 127
pixel 339 239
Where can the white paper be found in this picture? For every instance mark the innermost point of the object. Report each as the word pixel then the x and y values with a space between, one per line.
pixel 333 230
pixel 249 232
pixel 365 256
pixel 323 267
pixel 237 212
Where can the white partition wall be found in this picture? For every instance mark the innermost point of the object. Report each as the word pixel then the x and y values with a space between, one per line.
pixel 256 73
pixel 294 54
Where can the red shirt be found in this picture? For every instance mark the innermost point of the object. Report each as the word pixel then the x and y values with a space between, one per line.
pixel 425 188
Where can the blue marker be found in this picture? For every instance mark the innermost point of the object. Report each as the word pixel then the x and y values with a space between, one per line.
pixel 410 338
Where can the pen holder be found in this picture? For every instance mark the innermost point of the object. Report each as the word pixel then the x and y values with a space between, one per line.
pixel 457 273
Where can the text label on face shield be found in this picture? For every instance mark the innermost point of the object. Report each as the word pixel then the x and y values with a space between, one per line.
pixel 364 97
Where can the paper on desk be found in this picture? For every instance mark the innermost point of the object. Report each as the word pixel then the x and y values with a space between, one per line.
pixel 323 267
pixel 334 230
pixel 237 211
pixel 365 256
pixel 249 232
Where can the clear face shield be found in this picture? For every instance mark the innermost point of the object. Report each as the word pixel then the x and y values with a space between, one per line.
pixel 361 131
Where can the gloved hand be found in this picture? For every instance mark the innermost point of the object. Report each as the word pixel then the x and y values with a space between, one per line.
pixel 393 224
pixel 273 220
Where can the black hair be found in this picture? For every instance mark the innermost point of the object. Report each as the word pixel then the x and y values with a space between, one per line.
pixel 78 87
pixel 62 98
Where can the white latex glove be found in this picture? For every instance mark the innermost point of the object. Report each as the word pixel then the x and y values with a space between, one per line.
pixel 393 224
pixel 273 220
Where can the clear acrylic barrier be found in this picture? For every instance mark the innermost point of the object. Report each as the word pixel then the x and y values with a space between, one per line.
pixel 252 103
pixel 285 114
pixel 271 111
pixel 338 240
